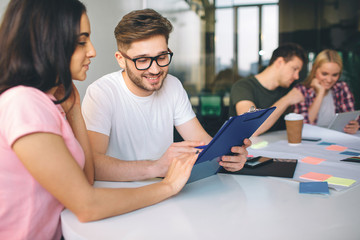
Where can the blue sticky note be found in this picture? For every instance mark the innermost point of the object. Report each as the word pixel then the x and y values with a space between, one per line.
pixel 350 153
pixel 326 143
pixel 314 187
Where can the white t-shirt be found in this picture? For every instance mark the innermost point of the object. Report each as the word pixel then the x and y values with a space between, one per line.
pixel 139 128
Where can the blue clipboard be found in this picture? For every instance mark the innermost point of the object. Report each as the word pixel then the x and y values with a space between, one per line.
pixel 232 133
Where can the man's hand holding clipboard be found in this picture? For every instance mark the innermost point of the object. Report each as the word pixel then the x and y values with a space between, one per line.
pixel 232 133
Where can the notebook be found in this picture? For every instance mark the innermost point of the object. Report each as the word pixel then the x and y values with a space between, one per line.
pixel 279 167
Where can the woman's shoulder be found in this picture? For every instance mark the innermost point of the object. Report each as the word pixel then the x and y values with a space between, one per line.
pixel 340 84
pixel 301 87
pixel 24 97
pixel 22 93
pixel 306 91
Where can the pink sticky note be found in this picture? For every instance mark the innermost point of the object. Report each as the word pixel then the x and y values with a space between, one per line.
pixel 315 176
pixel 336 148
pixel 312 160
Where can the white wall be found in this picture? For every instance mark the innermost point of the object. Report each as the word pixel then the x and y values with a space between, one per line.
pixel 105 15
pixel 3 4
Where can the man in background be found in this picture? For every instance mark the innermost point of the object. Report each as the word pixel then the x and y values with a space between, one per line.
pixel 271 87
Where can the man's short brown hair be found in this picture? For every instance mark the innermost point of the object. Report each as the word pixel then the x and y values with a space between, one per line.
pixel 288 51
pixel 139 25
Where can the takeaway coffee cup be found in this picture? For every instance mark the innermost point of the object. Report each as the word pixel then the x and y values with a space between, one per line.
pixel 294 124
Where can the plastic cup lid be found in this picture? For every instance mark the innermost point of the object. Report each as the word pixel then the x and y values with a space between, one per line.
pixel 294 117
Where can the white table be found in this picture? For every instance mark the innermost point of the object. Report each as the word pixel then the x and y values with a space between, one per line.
pixel 231 207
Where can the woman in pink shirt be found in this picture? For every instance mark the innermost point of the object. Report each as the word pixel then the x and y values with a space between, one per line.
pixel 46 161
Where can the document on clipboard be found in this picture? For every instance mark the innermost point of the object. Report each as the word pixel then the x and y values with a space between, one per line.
pixel 232 133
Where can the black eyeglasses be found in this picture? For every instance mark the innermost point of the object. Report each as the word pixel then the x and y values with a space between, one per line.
pixel 144 63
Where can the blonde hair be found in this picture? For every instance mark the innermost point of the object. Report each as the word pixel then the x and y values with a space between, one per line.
pixel 325 56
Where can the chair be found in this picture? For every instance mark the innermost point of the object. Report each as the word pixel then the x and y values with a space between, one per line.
pixel 211 112
pixel 210 105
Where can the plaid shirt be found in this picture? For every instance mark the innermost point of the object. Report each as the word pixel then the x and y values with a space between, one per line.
pixel 343 99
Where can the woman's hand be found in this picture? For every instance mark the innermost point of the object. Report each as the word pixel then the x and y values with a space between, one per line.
pixel 180 170
pixel 317 86
pixel 176 149
pixel 352 127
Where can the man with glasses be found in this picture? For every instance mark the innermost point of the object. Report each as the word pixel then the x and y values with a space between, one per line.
pixel 130 114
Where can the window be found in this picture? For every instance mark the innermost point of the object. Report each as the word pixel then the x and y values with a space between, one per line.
pixel 242 44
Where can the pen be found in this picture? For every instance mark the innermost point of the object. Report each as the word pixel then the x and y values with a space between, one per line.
pixel 253 109
pixel 201 147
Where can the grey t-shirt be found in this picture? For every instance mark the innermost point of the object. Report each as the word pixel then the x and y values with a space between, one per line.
pixel 327 110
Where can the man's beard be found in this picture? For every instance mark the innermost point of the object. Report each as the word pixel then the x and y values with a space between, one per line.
pixel 139 82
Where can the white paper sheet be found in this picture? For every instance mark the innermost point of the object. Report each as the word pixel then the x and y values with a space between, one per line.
pixel 332 165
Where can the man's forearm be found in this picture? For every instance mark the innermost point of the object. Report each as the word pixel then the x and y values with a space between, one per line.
pixel 268 123
pixel 281 105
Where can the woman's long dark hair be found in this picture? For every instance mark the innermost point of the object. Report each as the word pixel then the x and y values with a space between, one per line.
pixel 37 40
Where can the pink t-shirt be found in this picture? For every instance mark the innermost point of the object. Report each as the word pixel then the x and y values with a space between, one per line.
pixel 27 210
